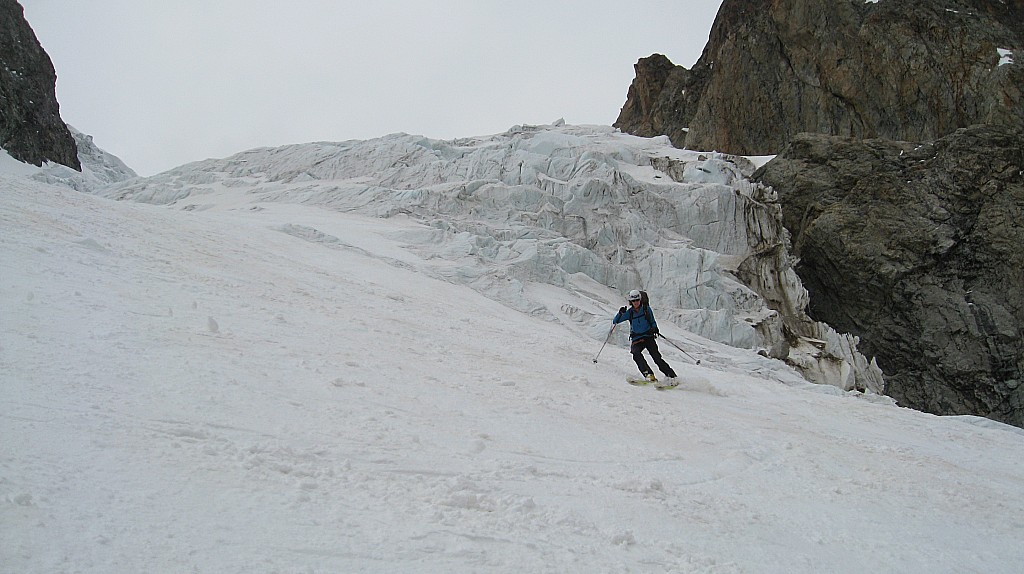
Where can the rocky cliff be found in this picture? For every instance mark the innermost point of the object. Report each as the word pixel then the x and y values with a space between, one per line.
pixel 31 129
pixel 897 69
pixel 917 249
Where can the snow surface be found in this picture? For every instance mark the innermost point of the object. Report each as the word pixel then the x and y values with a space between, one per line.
pixel 240 384
pixel 1005 56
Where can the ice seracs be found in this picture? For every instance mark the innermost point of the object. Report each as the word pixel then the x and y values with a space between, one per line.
pixel 563 205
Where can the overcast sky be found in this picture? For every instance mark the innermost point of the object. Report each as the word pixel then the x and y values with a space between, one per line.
pixel 162 83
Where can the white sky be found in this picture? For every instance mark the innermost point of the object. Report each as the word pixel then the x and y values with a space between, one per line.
pixel 160 84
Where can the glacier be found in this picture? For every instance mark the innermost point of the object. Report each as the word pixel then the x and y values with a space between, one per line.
pixel 583 208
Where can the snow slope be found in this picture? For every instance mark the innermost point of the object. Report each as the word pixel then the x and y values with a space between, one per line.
pixel 259 386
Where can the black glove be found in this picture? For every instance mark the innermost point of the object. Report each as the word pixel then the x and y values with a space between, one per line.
pixel 622 309
pixel 656 333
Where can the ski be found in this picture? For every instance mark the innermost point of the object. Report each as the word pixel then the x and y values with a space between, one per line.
pixel 660 385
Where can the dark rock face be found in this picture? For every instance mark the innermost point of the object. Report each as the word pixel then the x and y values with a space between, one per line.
pixel 919 250
pixel 658 99
pixel 30 126
pixel 896 69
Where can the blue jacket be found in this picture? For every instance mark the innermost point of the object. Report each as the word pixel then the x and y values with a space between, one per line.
pixel 641 322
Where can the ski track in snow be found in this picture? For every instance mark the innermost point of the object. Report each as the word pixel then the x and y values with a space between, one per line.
pixel 228 391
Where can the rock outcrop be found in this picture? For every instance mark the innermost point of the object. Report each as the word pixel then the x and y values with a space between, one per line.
pixel 31 129
pixel 897 69
pixel 918 249
pixel 99 168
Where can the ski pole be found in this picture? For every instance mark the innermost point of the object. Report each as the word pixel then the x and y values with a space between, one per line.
pixel 696 361
pixel 606 339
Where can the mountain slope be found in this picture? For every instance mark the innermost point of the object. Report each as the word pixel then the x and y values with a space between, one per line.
pixel 258 386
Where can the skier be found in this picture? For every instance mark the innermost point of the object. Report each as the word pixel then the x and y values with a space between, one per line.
pixel 643 334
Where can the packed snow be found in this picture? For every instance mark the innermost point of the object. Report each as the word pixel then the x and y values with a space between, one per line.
pixel 1005 56
pixel 295 366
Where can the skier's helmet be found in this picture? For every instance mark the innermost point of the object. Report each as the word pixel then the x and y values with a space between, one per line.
pixel 634 295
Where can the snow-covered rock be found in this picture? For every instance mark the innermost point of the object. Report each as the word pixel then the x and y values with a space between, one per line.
pixel 99 168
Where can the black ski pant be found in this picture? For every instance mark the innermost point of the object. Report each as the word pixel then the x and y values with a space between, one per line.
pixel 651 344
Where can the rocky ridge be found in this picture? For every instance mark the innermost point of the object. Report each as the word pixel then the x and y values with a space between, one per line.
pixel 898 69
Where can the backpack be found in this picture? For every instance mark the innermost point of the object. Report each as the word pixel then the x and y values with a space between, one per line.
pixel 644 301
